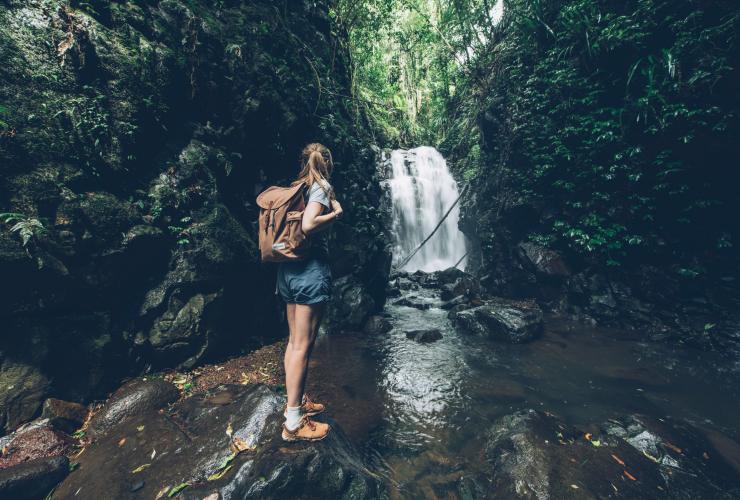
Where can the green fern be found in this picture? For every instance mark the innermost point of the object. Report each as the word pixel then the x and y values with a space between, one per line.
pixel 26 227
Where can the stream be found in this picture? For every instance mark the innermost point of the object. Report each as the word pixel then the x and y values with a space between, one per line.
pixel 421 410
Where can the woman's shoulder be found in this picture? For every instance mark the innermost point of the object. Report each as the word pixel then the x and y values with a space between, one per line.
pixel 321 186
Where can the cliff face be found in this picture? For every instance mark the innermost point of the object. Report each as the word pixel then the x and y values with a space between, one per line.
pixel 134 136
pixel 594 139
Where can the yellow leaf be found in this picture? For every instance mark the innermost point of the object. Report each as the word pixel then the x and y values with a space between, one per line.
pixel 121 442
pixel 229 430
pixel 140 428
pixel 219 475
pixel 140 468
pixel 244 380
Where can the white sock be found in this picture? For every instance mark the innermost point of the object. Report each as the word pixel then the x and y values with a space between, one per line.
pixel 292 417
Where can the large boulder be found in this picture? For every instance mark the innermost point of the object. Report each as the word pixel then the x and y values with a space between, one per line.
pixel 192 447
pixel 33 441
pixel 133 398
pixel 535 455
pixel 351 304
pixel 543 261
pixel 502 319
pixel 33 479
pixel 64 415
pixel 23 389
pixel 687 459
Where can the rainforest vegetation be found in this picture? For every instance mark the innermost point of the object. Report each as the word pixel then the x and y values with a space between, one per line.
pixel 595 147
pixel 614 120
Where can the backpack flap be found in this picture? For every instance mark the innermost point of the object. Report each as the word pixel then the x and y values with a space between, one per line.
pixel 275 196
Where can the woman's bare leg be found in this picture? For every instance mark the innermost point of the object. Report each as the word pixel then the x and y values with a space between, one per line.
pixel 290 315
pixel 306 320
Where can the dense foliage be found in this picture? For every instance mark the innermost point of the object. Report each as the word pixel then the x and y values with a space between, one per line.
pixel 613 124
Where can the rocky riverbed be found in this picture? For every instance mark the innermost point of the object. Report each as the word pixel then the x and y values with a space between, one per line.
pixel 421 404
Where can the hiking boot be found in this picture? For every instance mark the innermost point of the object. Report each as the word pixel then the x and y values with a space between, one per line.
pixel 307 430
pixel 309 408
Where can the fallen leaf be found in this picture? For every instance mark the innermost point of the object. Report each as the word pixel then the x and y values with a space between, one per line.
pixel 121 442
pixel 140 468
pixel 241 445
pixel 140 428
pixel 596 442
pixel 154 454
pixel 220 474
pixel 574 486
pixel 162 493
pixel 672 446
pixel 630 476
pixel 244 380
pixel 229 430
pixel 619 460
pixel 588 436
pixel 177 489
pixel 227 460
pixel 650 457
pixel 212 496
pixel 705 455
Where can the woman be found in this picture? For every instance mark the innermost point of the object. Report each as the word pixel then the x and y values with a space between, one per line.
pixel 305 287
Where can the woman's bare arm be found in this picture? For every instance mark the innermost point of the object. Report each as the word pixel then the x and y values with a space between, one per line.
pixel 314 222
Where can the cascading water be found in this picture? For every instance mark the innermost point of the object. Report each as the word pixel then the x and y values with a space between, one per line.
pixel 422 190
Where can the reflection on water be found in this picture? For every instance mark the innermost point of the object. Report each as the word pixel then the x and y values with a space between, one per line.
pixel 422 408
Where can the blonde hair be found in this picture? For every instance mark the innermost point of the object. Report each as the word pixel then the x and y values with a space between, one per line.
pixel 316 166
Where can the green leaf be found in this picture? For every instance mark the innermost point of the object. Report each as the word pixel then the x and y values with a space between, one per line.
pixel 177 489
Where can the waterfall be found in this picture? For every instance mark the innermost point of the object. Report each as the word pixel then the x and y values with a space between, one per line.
pixel 422 190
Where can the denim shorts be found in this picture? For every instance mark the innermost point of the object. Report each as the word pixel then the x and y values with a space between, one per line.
pixel 304 281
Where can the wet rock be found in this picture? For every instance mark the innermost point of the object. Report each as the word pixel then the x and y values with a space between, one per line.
pixel 502 319
pixel 543 261
pixel 134 398
pixel 460 301
pixel 64 415
pixel 351 304
pixel 412 301
pixel 449 275
pixel 33 479
pixel 465 285
pixel 180 335
pixel 536 455
pixel 189 444
pixel 424 336
pixel 22 391
pixel 686 458
pixel 33 441
pixel 377 325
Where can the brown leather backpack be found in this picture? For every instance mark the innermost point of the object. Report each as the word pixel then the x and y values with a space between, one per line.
pixel 281 237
